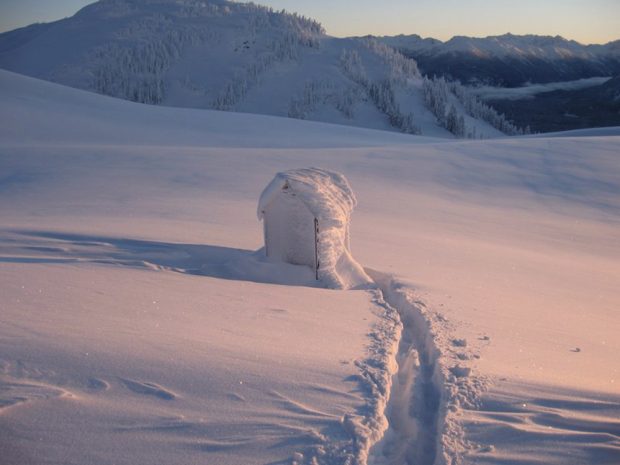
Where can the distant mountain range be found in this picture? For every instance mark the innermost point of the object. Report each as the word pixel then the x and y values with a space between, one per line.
pixel 509 60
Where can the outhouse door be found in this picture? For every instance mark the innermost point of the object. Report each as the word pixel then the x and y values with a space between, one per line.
pixel 290 230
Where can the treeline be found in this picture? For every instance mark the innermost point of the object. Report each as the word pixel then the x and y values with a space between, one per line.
pixel 400 68
pixel 440 96
pixel 134 66
pixel 294 33
pixel 381 91
pixel 137 73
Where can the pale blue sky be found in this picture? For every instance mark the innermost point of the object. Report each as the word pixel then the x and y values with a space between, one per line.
pixel 588 21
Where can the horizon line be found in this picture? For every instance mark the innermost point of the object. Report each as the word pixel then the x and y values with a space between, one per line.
pixel 400 34
pixel 346 36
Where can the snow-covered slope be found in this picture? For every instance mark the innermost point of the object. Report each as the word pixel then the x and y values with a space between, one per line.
pixel 227 56
pixel 138 325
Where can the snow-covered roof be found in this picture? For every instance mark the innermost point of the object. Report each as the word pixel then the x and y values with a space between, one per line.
pixel 327 194
pixel 329 197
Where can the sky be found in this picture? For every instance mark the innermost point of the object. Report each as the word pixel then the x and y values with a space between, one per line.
pixel 587 21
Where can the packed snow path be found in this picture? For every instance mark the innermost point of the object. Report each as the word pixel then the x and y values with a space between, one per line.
pixel 433 382
pixel 413 410
pixel 415 391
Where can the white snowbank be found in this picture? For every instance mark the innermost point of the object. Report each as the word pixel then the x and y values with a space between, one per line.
pixel 118 335
pixel 329 197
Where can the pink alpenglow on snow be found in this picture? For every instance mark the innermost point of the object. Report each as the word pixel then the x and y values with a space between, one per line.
pixel 306 215
pixel 139 326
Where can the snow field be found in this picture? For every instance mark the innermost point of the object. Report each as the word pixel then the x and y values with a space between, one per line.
pixel 509 248
pixel 145 366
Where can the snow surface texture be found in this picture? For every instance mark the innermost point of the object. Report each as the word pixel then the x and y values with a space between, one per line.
pixel 137 319
pixel 330 200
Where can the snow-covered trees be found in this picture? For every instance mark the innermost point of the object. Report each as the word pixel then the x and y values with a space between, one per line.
pixel 321 92
pixel 133 66
pixel 135 72
pixel 352 66
pixel 381 92
pixel 436 97
pixel 314 93
pixel 382 95
pixel 292 33
pixel 455 123
pixel 480 110
pixel 400 67
pixel 346 99
pixel 438 94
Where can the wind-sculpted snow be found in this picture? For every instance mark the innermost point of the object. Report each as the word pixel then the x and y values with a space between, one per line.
pixel 139 320
pixel 328 195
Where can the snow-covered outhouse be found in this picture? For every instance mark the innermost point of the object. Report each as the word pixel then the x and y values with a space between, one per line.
pixel 306 216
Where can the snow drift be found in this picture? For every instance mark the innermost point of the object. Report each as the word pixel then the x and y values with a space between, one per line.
pixel 130 322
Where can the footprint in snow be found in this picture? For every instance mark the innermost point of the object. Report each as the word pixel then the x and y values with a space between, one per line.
pixel 148 389
pixel 278 310
pixel 97 385
pixel 460 372
pixel 18 392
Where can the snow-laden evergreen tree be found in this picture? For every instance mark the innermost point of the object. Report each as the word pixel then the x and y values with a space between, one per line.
pixel 321 92
pixel 437 92
pixel 436 98
pixel 352 66
pixel 314 93
pixel 381 92
pixel 478 109
pixel 401 68
pixel 455 123
pixel 346 99
pixel 136 72
pixel 134 64
pixel 295 32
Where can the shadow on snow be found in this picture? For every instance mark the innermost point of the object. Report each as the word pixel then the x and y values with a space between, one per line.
pixel 51 247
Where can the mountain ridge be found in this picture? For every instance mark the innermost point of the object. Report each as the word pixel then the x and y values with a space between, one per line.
pixel 243 57
pixel 509 60
pixel 499 36
pixel 230 56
